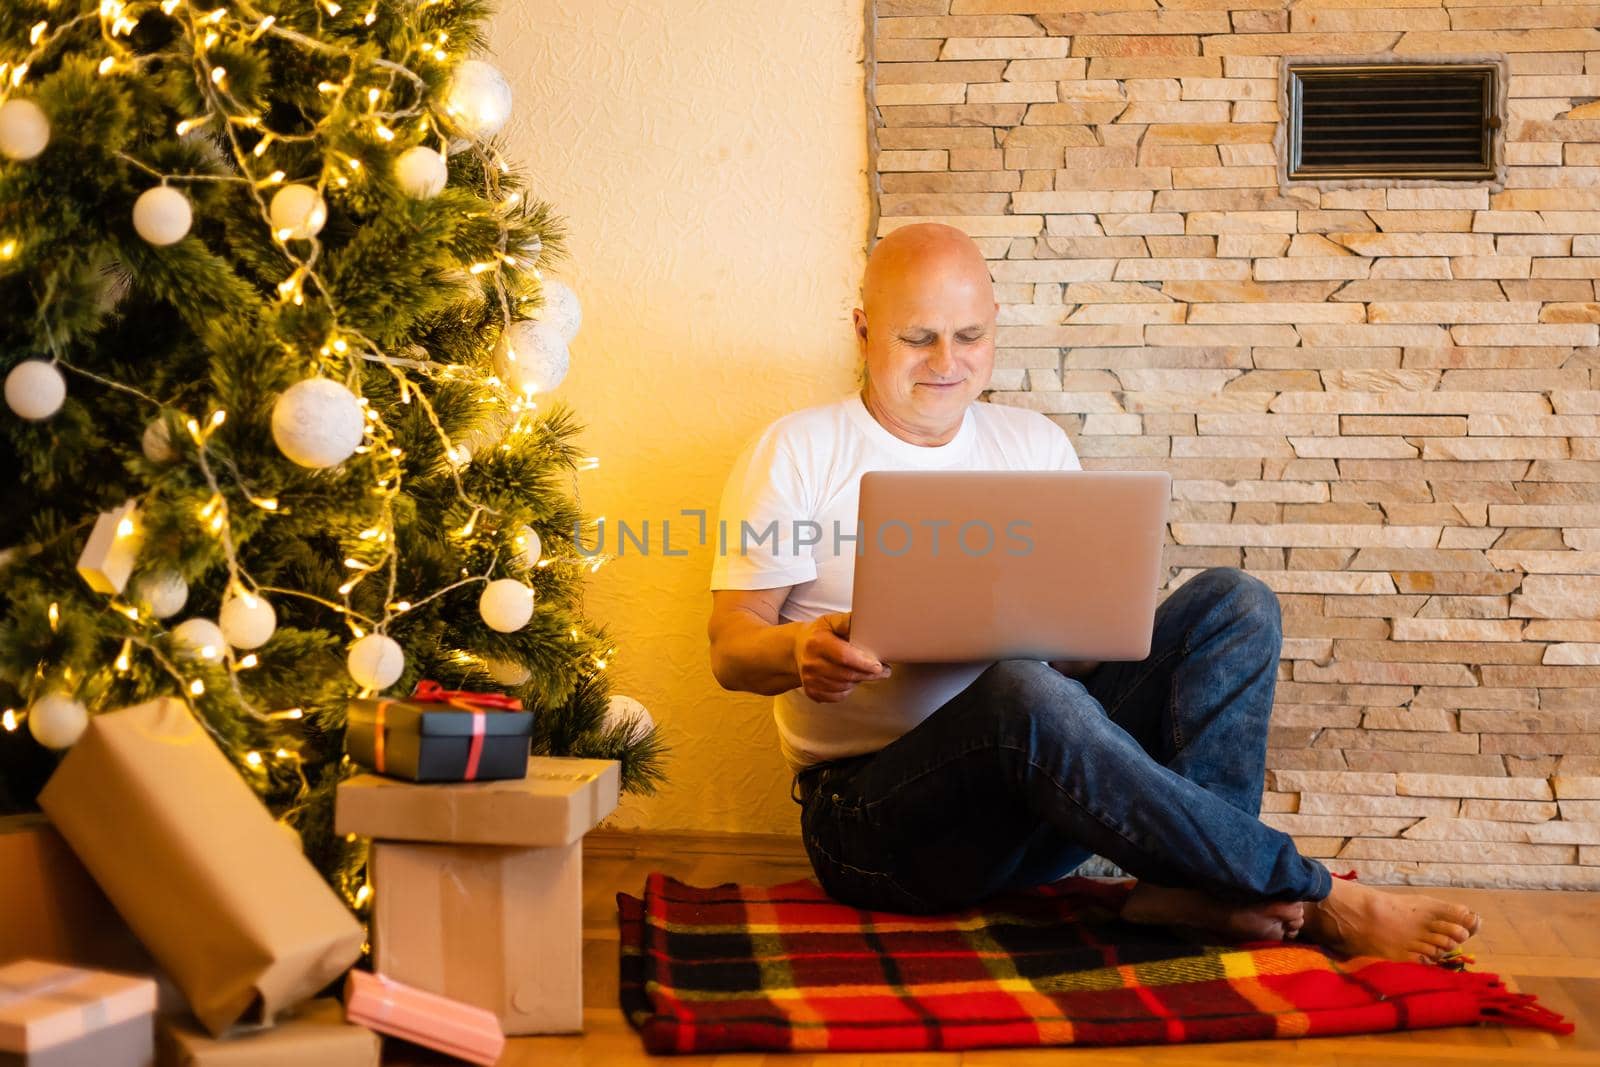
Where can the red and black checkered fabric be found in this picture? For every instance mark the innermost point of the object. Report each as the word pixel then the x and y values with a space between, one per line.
pixel 786 968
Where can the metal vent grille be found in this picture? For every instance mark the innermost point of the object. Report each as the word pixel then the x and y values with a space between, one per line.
pixel 1392 120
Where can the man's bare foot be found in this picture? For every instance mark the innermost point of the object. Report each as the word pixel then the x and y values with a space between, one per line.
pixel 1155 905
pixel 1364 921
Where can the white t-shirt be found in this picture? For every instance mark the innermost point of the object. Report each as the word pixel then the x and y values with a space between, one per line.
pixel 799 482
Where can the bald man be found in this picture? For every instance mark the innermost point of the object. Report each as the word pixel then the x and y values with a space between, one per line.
pixel 928 787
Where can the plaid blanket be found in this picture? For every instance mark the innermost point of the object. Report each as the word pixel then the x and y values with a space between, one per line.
pixel 786 968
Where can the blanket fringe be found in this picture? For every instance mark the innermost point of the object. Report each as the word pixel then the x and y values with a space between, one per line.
pixel 1498 1004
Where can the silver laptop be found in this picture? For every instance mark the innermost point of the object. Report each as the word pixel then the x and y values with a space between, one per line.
pixel 965 566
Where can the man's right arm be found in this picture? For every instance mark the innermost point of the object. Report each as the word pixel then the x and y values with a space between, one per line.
pixel 753 652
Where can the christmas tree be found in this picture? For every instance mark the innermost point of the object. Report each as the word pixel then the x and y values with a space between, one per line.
pixel 276 340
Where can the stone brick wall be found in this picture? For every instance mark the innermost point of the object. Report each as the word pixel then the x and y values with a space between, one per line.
pixel 1382 400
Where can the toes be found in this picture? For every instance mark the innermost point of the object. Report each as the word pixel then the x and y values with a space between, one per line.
pixel 1424 952
pixel 1453 931
pixel 1461 915
pixel 1442 942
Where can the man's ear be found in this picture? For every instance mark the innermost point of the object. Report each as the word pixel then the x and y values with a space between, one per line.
pixel 860 319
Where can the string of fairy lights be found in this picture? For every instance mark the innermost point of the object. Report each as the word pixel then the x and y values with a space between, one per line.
pixel 321 421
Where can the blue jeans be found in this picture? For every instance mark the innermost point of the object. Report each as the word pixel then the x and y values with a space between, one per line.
pixel 1157 765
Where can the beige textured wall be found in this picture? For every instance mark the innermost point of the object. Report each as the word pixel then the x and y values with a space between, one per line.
pixel 711 160
pixel 1381 401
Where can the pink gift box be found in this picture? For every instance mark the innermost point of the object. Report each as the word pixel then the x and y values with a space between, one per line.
pixel 426 1019
pixel 75 1015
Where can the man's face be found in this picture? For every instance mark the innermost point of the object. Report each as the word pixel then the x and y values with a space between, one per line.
pixel 927 336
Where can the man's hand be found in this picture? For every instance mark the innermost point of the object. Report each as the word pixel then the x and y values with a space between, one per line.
pixel 829 665
pixel 1075 668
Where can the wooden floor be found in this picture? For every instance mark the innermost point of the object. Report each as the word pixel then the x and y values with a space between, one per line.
pixel 1546 943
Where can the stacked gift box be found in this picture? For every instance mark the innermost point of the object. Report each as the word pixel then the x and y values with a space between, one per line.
pixel 162 883
pixel 54 1015
pixel 162 916
pixel 477 884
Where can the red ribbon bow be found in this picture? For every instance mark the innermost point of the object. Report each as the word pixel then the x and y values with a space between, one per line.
pixel 434 693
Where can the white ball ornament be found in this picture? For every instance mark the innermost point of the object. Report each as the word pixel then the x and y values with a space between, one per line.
pixel 529 547
pixel 531 357
pixel 298 212
pixel 162 593
pixel 375 661
pixel 162 215
pixel 479 99
pixel 560 308
pixel 421 172
pixel 506 605
pixel 247 620
pixel 317 423
pixel 198 638
pixel 157 442
pixel 35 389
pixel 621 711
pixel 24 129
pixel 505 672
pixel 56 720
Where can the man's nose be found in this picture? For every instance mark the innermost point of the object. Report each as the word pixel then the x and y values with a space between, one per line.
pixel 942 358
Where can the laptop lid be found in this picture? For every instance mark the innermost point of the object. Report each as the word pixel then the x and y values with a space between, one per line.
pixel 964 566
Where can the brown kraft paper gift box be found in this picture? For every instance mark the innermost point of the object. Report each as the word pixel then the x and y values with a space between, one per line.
pixel 486 907
pixel 50 909
pixel 219 894
pixel 557 802
pixel 315 1035
pixel 499 928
